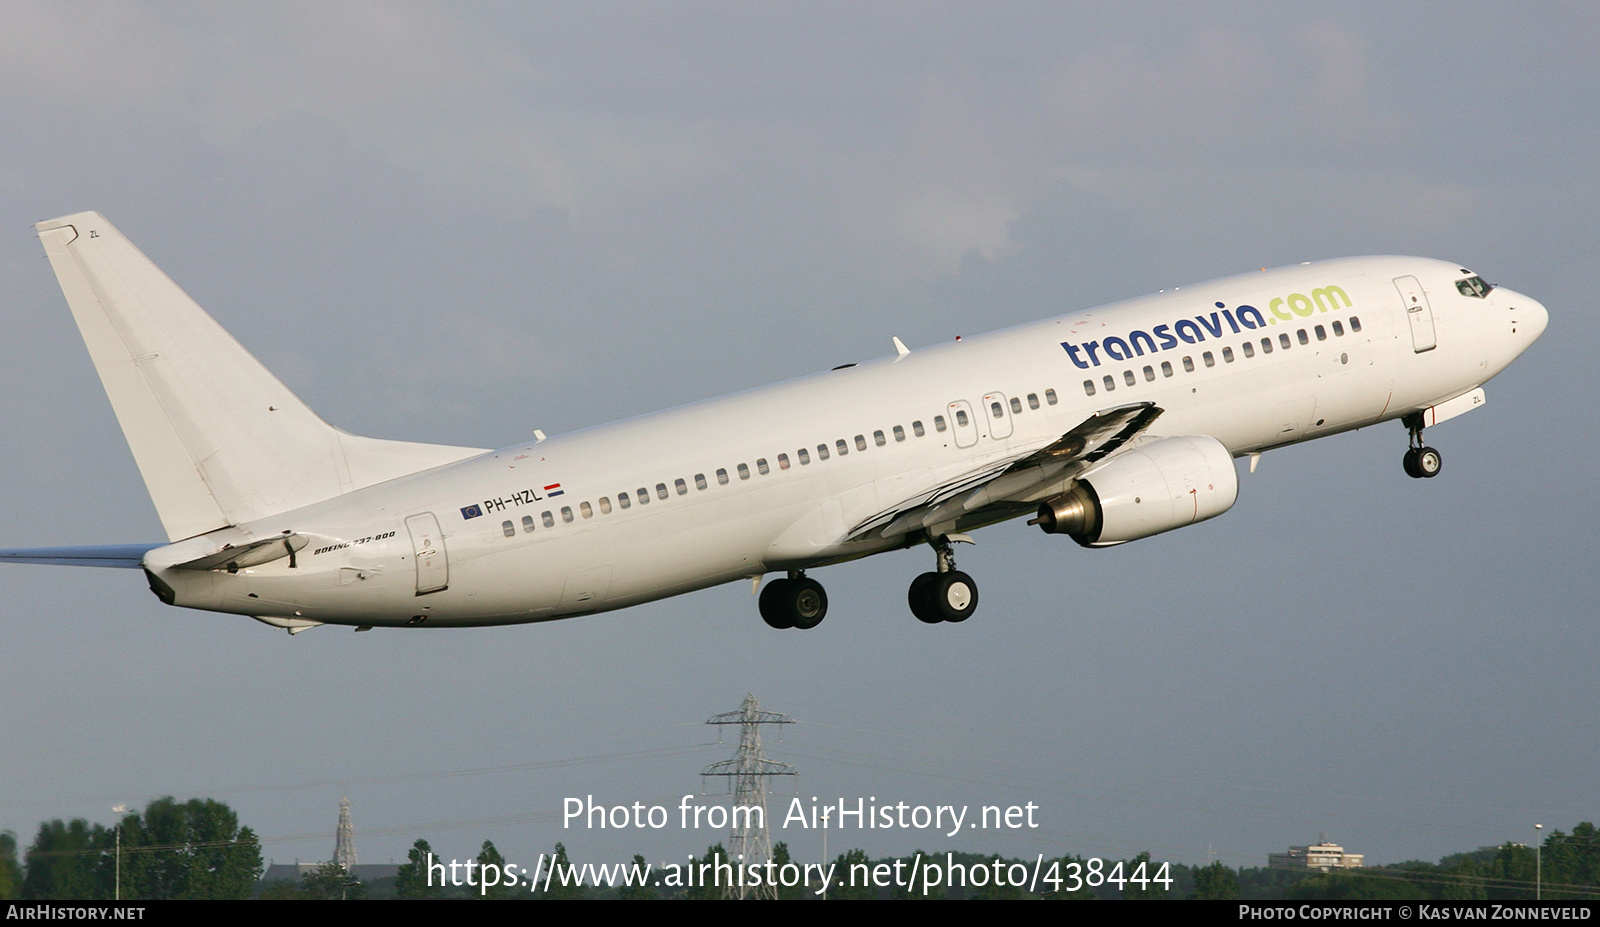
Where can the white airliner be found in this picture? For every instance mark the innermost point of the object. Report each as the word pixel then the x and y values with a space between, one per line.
pixel 1109 425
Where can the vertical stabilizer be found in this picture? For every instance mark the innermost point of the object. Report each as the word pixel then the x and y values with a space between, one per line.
pixel 218 439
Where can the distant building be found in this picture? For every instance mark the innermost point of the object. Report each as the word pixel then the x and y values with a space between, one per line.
pixel 1324 856
pixel 294 872
pixel 344 839
pixel 344 855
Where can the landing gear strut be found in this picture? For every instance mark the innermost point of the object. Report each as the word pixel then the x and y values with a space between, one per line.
pixel 794 602
pixel 945 595
pixel 1421 461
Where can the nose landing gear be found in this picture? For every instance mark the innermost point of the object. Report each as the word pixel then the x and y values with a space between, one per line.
pixel 1420 462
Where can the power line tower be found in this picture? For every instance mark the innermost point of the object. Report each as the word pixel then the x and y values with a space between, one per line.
pixel 750 842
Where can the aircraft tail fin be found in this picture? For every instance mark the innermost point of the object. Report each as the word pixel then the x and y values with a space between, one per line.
pixel 218 439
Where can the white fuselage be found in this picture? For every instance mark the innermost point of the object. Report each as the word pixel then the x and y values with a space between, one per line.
pixel 739 486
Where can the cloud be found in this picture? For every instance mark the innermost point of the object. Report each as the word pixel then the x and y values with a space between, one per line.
pixel 89 54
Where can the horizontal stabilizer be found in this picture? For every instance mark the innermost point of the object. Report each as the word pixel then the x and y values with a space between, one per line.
pixel 232 557
pixel 119 556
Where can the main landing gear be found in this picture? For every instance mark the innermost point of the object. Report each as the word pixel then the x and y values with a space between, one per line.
pixel 794 602
pixel 945 595
pixel 1421 462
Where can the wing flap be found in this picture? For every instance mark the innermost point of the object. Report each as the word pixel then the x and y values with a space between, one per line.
pixel 1088 442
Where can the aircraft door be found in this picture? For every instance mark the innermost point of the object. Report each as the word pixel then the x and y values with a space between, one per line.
pixel 427 544
pixel 963 423
pixel 994 405
pixel 1418 313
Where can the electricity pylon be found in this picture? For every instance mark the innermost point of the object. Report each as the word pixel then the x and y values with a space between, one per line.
pixel 750 842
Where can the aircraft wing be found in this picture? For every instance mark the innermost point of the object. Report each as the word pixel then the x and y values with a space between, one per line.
pixel 119 556
pixel 1091 440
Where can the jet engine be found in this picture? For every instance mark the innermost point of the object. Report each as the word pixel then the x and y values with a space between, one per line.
pixel 1155 487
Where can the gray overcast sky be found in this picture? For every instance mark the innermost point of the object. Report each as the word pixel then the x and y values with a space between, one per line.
pixel 461 223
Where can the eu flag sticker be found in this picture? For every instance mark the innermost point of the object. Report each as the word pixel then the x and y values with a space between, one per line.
pixel 471 511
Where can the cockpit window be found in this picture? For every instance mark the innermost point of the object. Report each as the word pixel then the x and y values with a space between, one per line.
pixel 1474 286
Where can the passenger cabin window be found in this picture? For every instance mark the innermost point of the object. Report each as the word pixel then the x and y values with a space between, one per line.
pixel 783 461
pixel 744 471
pixel 605 505
pixel 961 417
pixel 938 423
pixel 1209 359
pixel 549 519
pixel 804 455
pixel 527 523
pixel 1227 355
pixel 916 428
pixel 1338 328
pixel 1304 338
pixel 996 410
pixel 1188 364
pixel 1109 383
pixel 861 442
pixel 680 486
pixel 822 452
pixel 899 433
pixel 644 496
pixel 1127 377
pixel 1050 396
pixel 1088 387
pixel 1166 368
pixel 722 476
pixel 761 466
pixel 1149 373
pixel 566 514
pixel 699 481
pixel 1283 341
pixel 878 438
pixel 841 447
pixel 1322 333
pixel 1033 400
pixel 624 500
pixel 1266 346
pixel 1016 406
pixel 661 490
pixel 1249 349
pixel 1355 324
pixel 508 529
pixel 586 510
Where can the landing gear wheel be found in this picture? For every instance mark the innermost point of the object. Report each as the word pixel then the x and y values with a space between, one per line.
pixel 922 603
pixel 954 596
pixel 793 603
pixel 1421 461
pixel 1428 463
pixel 808 603
pixel 774 605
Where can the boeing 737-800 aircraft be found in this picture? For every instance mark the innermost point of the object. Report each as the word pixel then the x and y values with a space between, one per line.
pixel 1107 425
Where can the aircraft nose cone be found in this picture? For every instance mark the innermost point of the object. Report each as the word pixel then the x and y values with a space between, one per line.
pixel 1537 317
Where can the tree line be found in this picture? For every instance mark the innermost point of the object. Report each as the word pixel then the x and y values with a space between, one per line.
pixel 170 850
pixel 198 850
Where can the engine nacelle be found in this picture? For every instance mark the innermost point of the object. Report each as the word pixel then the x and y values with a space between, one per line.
pixel 1155 487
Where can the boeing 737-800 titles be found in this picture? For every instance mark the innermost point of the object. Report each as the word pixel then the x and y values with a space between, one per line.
pixel 1107 425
